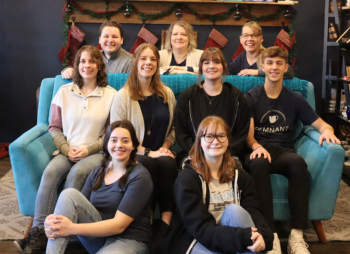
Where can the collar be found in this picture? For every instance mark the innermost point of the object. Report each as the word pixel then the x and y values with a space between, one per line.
pixel 114 55
pixel 98 92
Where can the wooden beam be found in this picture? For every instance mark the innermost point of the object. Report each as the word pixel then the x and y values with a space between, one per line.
pixel 157 6
pixel 198 1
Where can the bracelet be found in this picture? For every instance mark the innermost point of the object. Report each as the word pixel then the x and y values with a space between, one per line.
pixel 257 147
pixel 147 150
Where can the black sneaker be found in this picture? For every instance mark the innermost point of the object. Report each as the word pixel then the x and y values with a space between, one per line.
pixel 20 243
pixel 36 241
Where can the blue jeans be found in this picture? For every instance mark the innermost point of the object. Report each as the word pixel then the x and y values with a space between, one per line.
pixel 57 171
pixel 78 209
pixel 234 216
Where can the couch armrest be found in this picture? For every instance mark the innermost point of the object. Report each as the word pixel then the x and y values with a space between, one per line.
pixel 325 164
pixel 30 154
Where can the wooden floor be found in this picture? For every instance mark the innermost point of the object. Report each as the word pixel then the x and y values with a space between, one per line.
pixel 7 247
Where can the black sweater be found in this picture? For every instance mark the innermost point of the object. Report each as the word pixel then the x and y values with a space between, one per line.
pixel 192 220
pixel 189 114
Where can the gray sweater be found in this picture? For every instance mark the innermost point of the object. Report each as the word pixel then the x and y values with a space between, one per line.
pixel 119 62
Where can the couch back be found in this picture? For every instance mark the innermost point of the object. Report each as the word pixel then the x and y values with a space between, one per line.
pixel 177 83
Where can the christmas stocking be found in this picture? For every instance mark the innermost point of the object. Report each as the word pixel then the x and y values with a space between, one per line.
pixel 284 41
pixel 144 36
pixel 4 150
pixel 239 51
pixel 216 39
pixel 75 39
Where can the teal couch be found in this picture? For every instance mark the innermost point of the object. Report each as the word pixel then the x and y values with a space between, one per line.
pixel 32 151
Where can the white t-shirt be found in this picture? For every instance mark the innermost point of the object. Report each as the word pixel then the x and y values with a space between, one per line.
pixel 221 196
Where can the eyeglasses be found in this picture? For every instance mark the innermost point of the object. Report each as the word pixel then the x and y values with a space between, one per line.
pixel 222 137
pixel 254 36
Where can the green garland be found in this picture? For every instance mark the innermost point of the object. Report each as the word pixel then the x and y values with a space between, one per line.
pixel 154 16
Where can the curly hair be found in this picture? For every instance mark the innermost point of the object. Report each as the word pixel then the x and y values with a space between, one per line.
pixel 101 74
pixel 192 44
pixel 132 84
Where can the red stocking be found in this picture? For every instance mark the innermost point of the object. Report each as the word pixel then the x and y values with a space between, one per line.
pixel 216 39
pixel 283 40
pixel 144 36
pixel 239 51
pixel 75 39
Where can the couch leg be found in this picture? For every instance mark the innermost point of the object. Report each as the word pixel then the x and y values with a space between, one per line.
pixel 29 227
pixel 319 231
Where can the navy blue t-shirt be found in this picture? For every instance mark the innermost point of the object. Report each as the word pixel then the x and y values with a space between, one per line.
pixel 275 120
pixel 241 63
pixel 133 199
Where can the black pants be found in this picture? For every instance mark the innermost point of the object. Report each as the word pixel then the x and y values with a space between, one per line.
pixel 288 163
pixel 163 172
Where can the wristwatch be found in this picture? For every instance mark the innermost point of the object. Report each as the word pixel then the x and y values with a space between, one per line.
pixel 147 150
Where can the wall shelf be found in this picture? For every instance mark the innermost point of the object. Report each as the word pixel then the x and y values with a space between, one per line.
pixel 201 6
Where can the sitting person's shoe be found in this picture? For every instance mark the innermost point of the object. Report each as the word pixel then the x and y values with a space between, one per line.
pixel 276 246
pixel 296 243
pixel 36 241
pixel 20 243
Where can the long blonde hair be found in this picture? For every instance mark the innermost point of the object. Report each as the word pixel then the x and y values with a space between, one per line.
pixel 198 161
pixel 132 84
pixel 192 44
pixel 255 27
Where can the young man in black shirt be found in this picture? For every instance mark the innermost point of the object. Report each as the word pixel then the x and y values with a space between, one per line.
pixel 275 111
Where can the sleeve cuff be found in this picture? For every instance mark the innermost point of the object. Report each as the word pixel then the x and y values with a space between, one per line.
pixel 247 234
pixel 190 69
pixel 64 149
pixel 94 148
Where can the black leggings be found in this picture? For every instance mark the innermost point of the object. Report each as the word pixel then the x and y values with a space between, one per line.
pixel 288 163
pixel 163 172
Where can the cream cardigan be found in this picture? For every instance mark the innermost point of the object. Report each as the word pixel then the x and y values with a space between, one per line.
pixel 123 107
pixel 192 58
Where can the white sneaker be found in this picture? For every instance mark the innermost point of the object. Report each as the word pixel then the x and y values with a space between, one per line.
pixel 297 246
pixel 276 246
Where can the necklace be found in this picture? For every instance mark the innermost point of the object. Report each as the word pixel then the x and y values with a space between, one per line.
pixel 148 130
pixel 210 101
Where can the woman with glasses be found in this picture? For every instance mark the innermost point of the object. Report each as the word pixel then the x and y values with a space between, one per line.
pixel 217 208
pixel 249 62
pixel 211 97
pixel 180 54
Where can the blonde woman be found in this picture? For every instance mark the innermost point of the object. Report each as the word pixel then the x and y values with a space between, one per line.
pixel 249 62
pixel 150 106
pixel 180 54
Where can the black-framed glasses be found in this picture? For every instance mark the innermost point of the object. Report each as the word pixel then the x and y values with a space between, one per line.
pixel 246 36
pixel 222 137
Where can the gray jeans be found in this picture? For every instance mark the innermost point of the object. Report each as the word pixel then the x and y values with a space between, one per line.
pixel 78 209
pixel 60 169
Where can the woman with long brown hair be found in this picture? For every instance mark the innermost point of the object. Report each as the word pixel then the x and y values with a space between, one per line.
pixel 111 213
pixel 150 106
pixel 79 117
pixel 217 209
